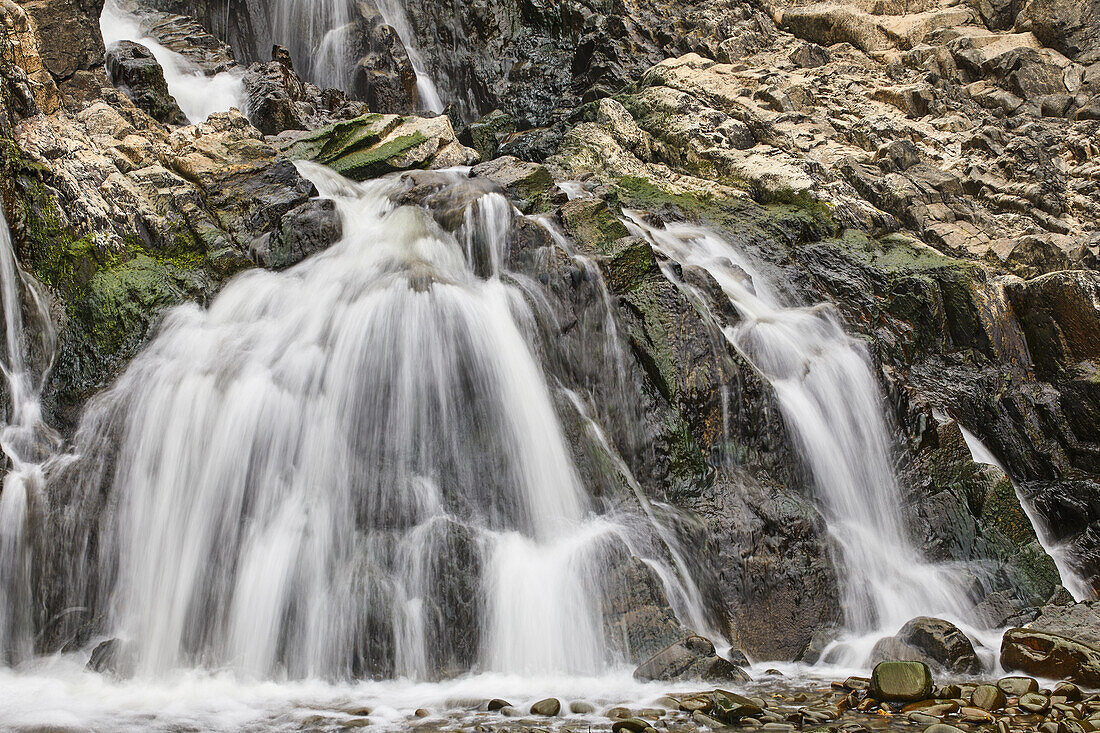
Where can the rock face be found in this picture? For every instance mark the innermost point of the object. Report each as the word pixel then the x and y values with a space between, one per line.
pixel 1051 656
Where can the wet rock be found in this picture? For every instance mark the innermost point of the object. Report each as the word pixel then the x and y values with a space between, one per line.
pixel 1052 656
pixel 384 77
pixel 375 144
pixel 105 657
pixel 988 697
pixel 692 658
pixel 901 681
pixel 548 707
pixel 632 725
pixel 935 641
pixel 496 704
pixel 580 707
pixel 305 230
pixel 136 73
pixel 732 708
pixel 1033 702
pixel 1017 686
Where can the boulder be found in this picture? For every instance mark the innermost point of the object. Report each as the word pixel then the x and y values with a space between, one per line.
pixel 548 707
pixel 1051 656
pixel 1017 686
pixel 375 144
pixel 1078 621
pixel 135 71
pixel 935 641
pixel 988 697
pixel 901 682
pixel 692 658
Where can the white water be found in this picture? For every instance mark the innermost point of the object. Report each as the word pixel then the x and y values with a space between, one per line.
pixel 1070 579
pixel 198 95
pixel 831 403
pixel 316 32
pixel 25 442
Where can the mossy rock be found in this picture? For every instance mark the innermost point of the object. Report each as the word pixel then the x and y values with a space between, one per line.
pixel 365 147
pixel 593 224
pixel 901 682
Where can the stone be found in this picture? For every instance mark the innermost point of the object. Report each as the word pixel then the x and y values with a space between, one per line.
pixel 901 681
pixel 632 725
pixel 730 707
pixel 1017 686
pixel 942 728
pixel 580 707
pixel 941 642
pixel 1033 702
pixel 692 658
pixel 496 704
pixel 135 72
pixel 1051 656
pixel 548 707
pixel 988 697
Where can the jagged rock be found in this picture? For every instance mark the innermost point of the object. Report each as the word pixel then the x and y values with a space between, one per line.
pixel 375 144
pixel 638 621
pixel 692 658
pixel 901 682
pixel 932 640
pixel 134 71
pixel 1051 656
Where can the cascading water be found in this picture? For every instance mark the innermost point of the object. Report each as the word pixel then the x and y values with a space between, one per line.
pixel 25 442
pixel 352 468
pixel 318 36
pixel 197 94
pixel 830 399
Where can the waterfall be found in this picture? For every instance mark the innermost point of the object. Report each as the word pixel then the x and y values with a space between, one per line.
pixel 353 468
pixel 25 442
pixel 197 94
pixel 830 400
pixel 317 33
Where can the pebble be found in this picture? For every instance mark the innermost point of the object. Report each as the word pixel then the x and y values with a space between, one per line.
pixel 421 713
pixel 620 712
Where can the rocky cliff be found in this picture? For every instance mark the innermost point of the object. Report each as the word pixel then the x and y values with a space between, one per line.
pixel 928 166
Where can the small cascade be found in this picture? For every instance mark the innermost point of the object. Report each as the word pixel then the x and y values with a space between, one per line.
pixel 197 94
pixel 1071 580
pixel 354 468
pixel 25 441
pixel 830 399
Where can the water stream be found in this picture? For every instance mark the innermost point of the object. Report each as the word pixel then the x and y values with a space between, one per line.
pixel 26 443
